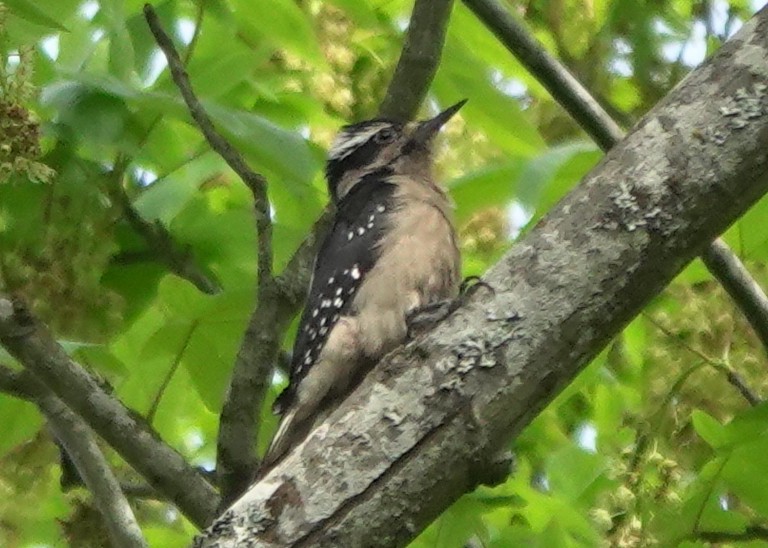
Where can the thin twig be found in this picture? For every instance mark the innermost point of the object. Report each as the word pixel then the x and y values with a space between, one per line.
pixel 419 59
pixel 81 446
pixel 731 376
pixel 171 372
pixel 750 533
pixel 162 247
pixel 739 384
pixel 33 345
pixel 255 181
pixel 742 288
pixel 724 265
pixel 236 458
pixel 563 86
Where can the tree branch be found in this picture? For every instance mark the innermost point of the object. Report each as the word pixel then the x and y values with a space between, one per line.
pixel 14 384
pixel 80 444
pixel 724 265
pixel 560 83
pixel 742 288
pixel 32 344
pixel 236 458
pixel 419 59
pixel 751 532
pixel 419 430
pixel 254 181
pixel 162 246
pixel 733 378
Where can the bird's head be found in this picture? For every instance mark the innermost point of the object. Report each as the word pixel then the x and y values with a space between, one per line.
pixel 366 147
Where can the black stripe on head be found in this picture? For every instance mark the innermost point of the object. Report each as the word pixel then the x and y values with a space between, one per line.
pixel 359 155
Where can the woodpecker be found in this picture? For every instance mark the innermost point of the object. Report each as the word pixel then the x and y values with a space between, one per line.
pixel 391 252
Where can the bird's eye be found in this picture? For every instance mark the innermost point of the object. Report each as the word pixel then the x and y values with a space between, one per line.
pixel 386 135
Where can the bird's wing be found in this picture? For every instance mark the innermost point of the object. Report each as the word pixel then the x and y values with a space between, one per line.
pixel 348 253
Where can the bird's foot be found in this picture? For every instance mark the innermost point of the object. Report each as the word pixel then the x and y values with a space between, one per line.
pixel 425 317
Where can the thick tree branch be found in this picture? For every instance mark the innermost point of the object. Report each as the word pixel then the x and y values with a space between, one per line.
pixel 14 384
pixel 33 345
pixel 419 430
pixel 236 459
pixel 419 59
pixel 724 265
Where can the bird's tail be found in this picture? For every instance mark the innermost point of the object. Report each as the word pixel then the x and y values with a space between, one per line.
pixel 281 441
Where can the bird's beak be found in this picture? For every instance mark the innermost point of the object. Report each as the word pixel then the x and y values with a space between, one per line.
pixel 427 129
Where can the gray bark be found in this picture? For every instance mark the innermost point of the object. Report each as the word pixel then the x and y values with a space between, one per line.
pixel 425 425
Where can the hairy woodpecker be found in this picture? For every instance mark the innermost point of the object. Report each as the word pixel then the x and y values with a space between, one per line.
pixel 392 251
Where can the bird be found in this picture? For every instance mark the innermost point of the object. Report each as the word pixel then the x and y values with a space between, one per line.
pixel 392 251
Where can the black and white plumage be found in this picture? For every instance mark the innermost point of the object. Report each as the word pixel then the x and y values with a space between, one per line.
pixel 392 250
pixel 346 256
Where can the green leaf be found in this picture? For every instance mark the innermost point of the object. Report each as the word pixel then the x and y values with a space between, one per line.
pixel 32 12
pixel 491 185
pixel 749 425
pixel 549 176
pixel 571 471
pixel 88 113
pixel 21 420
pixel 708 428
pixel 271 147
pixel 285 25
pixel 168 196
pixel 745 474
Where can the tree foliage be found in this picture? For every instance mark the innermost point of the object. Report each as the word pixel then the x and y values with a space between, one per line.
pixel 136 243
